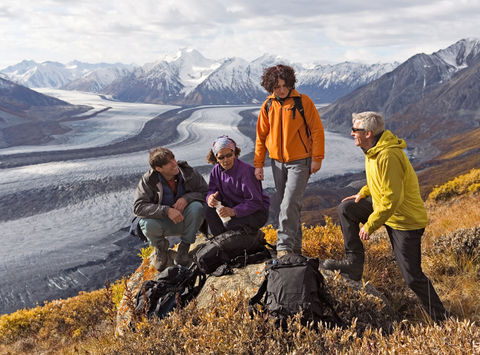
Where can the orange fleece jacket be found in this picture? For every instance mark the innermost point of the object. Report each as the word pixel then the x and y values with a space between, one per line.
pixel 285 137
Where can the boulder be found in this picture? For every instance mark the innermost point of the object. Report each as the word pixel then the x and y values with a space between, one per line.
pixel 246 279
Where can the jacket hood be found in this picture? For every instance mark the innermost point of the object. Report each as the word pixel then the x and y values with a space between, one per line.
pixel 387 140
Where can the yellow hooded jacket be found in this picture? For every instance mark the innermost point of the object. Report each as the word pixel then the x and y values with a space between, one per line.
pixel 285 137
pixel 393 185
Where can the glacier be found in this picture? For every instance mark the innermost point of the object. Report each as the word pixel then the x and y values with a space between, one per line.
pixel 67 248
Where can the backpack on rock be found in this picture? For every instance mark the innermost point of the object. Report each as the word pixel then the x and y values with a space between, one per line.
pixel 174 287
pixel 293 284
pixel 233 248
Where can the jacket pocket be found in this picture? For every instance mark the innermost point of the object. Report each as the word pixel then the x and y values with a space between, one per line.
pixel 302 141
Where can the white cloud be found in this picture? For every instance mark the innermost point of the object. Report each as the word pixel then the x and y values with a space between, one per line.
pixel 302 31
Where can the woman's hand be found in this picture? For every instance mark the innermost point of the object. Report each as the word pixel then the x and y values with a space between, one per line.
pixel 212 200
pixel 226 212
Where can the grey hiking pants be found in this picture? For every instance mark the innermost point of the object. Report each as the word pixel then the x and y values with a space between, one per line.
pixel 156 229
pixel 290 182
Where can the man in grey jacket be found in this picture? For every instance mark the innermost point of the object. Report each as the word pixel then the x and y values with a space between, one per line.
pixel 169 201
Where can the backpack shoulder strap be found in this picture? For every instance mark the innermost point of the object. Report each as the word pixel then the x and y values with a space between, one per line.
pixel 325 296
pixel 268 104
pixel 299 106
pixel 257 297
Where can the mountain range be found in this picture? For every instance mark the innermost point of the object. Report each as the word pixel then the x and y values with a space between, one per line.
pixel 425 99
pixel 191 79
pixel 71 76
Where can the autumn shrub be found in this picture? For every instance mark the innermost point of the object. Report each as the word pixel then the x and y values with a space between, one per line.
pixel 318 241
pixel 467 183
pixel 453 261
pixel 61 321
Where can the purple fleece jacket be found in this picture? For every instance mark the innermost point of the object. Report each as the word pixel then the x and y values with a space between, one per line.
pixel 238 188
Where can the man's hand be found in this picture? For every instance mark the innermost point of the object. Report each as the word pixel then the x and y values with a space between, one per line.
pixel 212 200
pixel 315 166
pixel 226 212
pixel 353 197
pixel 175 215
pixel 180 204
pixel 259 173
pixel 363 234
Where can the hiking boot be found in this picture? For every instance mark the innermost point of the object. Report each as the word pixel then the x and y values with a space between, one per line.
pixel 352 267
pixel 160 255
pixel 182 257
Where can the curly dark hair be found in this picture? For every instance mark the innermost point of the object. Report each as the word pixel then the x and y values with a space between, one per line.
pixel 211 159
pixel 271 75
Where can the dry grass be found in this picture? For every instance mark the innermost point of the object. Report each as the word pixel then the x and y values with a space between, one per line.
pixel 85 324
pixel 225 328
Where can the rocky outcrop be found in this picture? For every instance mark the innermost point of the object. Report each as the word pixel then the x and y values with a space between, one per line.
pixel 355 301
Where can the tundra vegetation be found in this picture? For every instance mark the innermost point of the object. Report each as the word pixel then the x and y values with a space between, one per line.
pixel 451 247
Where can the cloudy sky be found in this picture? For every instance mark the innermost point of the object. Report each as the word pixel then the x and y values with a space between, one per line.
pixel 305 31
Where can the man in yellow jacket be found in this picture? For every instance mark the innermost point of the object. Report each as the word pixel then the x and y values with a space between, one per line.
pixel 295 142
pixel 396 203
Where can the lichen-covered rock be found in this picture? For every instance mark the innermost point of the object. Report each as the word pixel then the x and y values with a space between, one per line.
pixel 246 279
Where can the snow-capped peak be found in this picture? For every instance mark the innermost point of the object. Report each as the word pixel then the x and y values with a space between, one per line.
pixel 458 55
pixel 192 68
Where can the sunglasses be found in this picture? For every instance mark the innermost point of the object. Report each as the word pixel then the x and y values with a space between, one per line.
pixel 228 155
pixel 358 129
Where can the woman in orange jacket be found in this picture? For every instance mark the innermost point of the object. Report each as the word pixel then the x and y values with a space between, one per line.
pixel 290 128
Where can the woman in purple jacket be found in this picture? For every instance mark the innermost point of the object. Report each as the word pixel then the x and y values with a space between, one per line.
pixel 234 194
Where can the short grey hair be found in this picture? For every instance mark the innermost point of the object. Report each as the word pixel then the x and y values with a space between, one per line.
pixel 370 121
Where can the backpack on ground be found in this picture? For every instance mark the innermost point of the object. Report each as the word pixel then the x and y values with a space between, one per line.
pixel 233 248
pixel 292 284
pixel 298 105
pixel 174 287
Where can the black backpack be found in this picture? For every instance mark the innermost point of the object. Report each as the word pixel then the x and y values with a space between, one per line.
pixel 174 287
pixel 292 284
pixel 233 248
pixel 298 105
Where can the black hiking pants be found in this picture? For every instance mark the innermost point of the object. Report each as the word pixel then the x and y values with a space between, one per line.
pixel 406 247
pixel 251 222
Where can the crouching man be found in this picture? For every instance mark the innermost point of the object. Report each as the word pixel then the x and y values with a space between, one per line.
pixel 393 186
pixel 169 201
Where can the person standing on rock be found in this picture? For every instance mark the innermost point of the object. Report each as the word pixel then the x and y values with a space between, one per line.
pixel 290 128
pixel 395 203
pixel 169 201
pixel 244 204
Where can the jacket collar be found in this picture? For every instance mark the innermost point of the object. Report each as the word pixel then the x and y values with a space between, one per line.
pixel 293 93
